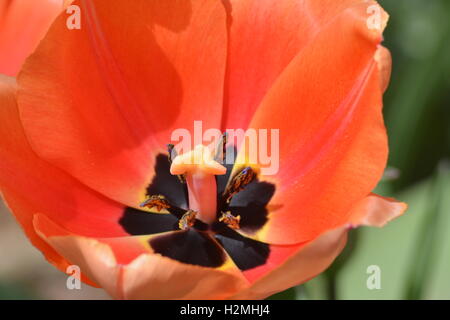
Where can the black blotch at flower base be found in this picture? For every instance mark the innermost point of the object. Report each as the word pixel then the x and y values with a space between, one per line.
pixel 203 244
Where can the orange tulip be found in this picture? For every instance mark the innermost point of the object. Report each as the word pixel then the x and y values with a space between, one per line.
pixel 84 169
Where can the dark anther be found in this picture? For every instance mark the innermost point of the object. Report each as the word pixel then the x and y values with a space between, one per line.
pixel 187 220
pixel 156 201
pixel 172 155
pixel 230 220
pixel 172 152
pixel 238 183
pixel 221 149
pixel 160 202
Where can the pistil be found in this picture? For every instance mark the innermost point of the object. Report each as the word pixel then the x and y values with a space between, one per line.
pixel 199 168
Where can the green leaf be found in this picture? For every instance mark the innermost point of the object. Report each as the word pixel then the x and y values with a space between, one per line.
pixel 395 249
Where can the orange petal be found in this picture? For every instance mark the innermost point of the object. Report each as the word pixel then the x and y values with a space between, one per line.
pixel 264 38
pixel 308 262
pixel 22 26
pixel 313 258
pixel 30 185
pixel 8 119
pixel 95 260
pixel 384 62
pixel 156 277
pixel 333 145
pixel 102 101
pixel 277 257
pixel 149 276
pixel 375 210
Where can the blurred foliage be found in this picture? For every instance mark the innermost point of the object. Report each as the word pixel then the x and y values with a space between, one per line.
pixel 14 291
pixel 417 109
pixel 412 251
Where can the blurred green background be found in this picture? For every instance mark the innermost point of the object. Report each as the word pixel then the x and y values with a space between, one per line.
pixel 413 252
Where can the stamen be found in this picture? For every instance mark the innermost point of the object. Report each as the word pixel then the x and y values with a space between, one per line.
pixel 158 201
pixel 199 168
pixel 221 149
pixel 239 182
pixel 230 220
pixel 187 220
pixel 172 155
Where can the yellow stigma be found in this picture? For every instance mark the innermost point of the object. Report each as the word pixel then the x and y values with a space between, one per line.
pixel 197 161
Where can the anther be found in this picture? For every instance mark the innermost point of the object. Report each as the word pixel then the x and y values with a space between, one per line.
pixel 230 220
pixel 156 201
pixel 172 154
pixel 239 182
pixel 221 149
pixel 187 220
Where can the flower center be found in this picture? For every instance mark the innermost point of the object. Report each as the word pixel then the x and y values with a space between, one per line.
pixel 193 207
pixel 196 171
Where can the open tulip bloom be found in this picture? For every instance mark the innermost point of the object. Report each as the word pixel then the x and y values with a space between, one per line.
pixel 89 168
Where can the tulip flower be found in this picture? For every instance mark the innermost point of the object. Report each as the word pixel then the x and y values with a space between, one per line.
pixel 85 169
